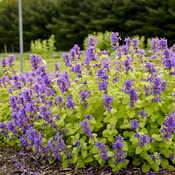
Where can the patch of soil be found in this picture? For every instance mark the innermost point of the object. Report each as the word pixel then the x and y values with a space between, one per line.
pixel 14 161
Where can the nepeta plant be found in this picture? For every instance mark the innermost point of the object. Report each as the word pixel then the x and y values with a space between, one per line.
pixel 111 109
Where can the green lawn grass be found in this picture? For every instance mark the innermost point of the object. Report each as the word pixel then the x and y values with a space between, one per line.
pixel 56 57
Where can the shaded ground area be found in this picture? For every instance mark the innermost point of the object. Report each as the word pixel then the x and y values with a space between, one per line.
pixel 14 161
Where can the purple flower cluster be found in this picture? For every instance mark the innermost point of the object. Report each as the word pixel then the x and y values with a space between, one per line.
pixel 86 128
pixel 70 104
pixel 128 41
pixel 143 114
pixel 168 59
pixel 92 41
pixel 128 64
pixel 143 139
pixel 134 124
pixel 3 62
pixel 131 91
pixel 77 143
pixel 66 59
pixel 83 96
pixel 10 61
pixel 77 69
pixel 57 67
pixel 169 126
pixel 156 157
pixel 102 74
pixel 35 61
pixel 107 101
pixel 115 40
pixel 63 81
pixel 89 117
pixel 103 86
pixel 150 67
pixel 156 88
pixel 104 151
pixel 172 157
pixel 158 44
pixel 32 103
pixel 90 55
pixel 119 153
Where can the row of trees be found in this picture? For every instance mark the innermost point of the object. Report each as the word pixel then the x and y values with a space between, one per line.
pixel 72 20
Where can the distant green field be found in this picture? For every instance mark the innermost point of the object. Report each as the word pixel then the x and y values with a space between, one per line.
pixel 56 57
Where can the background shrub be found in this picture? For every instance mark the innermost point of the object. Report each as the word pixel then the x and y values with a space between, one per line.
pixel 43 47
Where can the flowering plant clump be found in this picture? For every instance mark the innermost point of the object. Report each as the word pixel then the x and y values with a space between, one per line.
pixel 109 109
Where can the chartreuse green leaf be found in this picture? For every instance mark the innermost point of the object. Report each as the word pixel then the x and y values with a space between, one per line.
pixel 75 150
pixel 111 138
pixel 158 137
pixel 125 100
pixel 81 163
pixel 138 150
pixel 154 166
pixel 113 120
pixel 125 146
pixel 166 152
pixel 138 104
pixel 110 154
pixel 84 153
pixel 113 111
pixel 74 158
pixel 65 164
pixel 136 162
pixel 88 160
pixel 164 163
pixel 131 114
pixel 145 168
pixel 149 110
pixel 124 164
pixel 52 161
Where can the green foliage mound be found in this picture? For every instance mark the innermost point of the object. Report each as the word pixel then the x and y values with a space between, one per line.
pixel 109 111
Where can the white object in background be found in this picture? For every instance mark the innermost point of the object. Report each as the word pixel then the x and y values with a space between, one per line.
pixel 44 61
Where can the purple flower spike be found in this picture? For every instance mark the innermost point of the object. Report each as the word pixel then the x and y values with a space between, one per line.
pixel 83 96
pixel 134 124
pixel 128 65
pixel 86 129
pixel 103 86
pixel 128 41
pixel 92 41
pixel 89 117
pixel 10 61
pixel 144 139
pixel 3 62
pixel 119 153
pixel 66 59
pixel 169 126
pixel 35 61
pixel 57 67
pixel 104 151
pixel 143 114
pixel 107 101
pixel 77 143
pixel 69 102
pixel 115 38
pixel 129 90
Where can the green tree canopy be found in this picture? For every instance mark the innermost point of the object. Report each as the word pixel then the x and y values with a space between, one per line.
pixel 72 20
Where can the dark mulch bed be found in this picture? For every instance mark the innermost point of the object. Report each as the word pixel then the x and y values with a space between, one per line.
pixel 14 161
